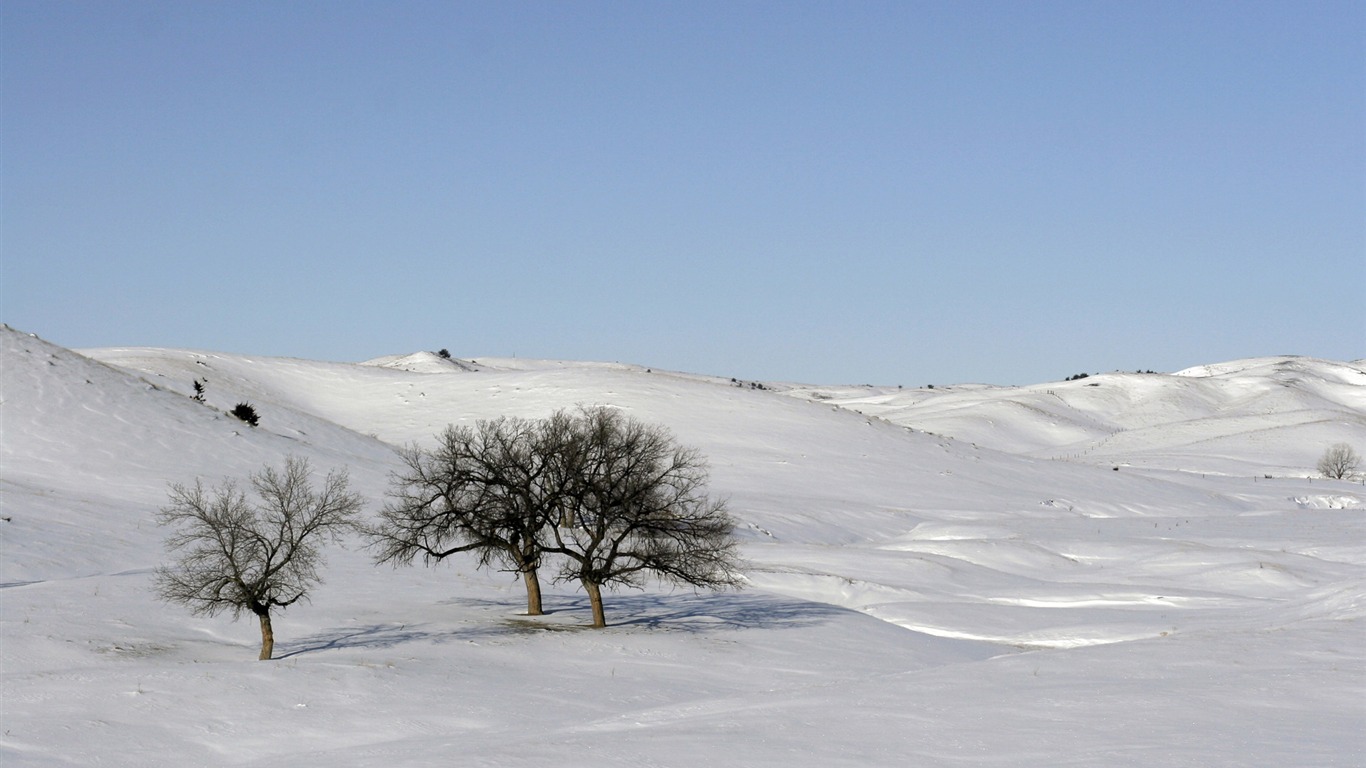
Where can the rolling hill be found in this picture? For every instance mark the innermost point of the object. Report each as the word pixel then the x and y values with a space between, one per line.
pixel 1128 569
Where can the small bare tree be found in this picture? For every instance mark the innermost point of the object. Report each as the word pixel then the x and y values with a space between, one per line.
pixel 1339 462
pixel 487 490
pixel 636 507
pixel 238 556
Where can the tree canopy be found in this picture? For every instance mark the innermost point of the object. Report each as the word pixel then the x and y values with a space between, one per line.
pixel 615 501
pixel 237 556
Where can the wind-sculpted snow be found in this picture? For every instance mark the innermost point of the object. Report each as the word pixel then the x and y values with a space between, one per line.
pixel 914 599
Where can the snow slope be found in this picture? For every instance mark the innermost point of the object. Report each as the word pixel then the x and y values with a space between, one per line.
pixel 914 599
pixel 1260 416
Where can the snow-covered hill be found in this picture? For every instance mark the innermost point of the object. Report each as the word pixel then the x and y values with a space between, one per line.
pixel 1249 417
pixel 952 576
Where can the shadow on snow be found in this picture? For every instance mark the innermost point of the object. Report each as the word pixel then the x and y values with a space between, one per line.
pixel 703 612
pixel 671 613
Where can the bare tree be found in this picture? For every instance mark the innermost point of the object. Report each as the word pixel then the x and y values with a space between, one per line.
pixel 238 556
pixel 618 501
pixel 488 490
pixel 1339 462
pixel 635 507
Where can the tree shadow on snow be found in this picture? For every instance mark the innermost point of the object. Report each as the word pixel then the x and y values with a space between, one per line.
pixel 369 637
pixel 667 612
pixel 699 612
pixel 389 635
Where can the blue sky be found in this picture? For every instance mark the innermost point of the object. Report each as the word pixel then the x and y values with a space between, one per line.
pixel 893 193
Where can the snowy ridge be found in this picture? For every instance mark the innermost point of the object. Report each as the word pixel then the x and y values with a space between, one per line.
pixel 422 362
pixel 915 598
pixel 1249 417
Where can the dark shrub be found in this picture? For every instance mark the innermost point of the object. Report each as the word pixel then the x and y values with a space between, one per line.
pixel 246 412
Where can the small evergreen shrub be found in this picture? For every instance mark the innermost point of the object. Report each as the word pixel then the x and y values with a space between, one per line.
pixel 246 412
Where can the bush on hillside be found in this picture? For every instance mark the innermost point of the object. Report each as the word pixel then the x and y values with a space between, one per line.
pixel 247 413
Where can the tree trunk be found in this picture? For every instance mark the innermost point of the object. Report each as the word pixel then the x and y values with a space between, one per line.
pixel 267 636
pixel 595 599
pixel 533 592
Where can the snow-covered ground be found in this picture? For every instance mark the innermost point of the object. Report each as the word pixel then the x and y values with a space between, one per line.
pixel 957 576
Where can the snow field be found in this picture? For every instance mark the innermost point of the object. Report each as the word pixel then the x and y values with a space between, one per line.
pixel 915 599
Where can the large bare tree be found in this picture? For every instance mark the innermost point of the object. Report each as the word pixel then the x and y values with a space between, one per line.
pixel 614 500
pixel 238 556
pixel 1339 462
pixel 489 490
pixel 636 507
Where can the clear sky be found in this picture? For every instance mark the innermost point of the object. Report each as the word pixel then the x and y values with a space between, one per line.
pixel 835 192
